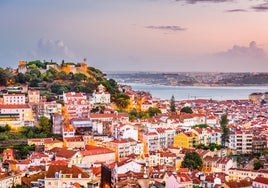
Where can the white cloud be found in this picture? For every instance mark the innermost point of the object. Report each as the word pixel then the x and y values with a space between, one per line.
pixel 50 49
pixel 252 51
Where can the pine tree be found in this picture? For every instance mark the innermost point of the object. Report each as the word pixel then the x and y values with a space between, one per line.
pixel 172 104
pixel 224 129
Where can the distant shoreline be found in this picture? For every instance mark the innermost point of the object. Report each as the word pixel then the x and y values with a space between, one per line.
pixel 198 92
pixel 197 85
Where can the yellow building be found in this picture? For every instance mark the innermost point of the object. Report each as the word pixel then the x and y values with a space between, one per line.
pixel 186 140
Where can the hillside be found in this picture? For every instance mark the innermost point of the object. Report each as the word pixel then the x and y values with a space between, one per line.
pixel 54 79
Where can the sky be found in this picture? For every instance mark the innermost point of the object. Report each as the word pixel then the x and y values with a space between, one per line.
pixel 138 35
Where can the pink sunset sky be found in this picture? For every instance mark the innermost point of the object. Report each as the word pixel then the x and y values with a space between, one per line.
pixel 138 35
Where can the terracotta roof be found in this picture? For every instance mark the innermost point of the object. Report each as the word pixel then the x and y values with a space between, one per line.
pixel 13 106
pixel 60 162
pixel 96 151
pixel 64 152
pixel 35 155
pixel 261 179
pixel 26 161
pixel 74 139
pixel 119 115
pixel 64 169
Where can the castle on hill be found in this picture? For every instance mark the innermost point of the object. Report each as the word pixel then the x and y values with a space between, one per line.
pixel 80 67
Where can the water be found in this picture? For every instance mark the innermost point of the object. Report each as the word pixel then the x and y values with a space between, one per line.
pixel 196 92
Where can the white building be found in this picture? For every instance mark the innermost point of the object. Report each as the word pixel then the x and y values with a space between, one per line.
pixel 127 131
pixel 101 96
pixel 208 135
pixel 241 142
pixel 14 98
pixel 16 115
pixel 47 109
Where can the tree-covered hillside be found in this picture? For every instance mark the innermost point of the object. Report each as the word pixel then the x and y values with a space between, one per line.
pixel 54 78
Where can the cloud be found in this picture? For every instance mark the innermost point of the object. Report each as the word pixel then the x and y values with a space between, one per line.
pixel 236 10
pixel 250 52
pixel 261 7
pixel 50 49
pixel 203 1
pixel 166 27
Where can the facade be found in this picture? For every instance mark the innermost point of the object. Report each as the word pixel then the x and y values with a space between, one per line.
pixel 125 132
pixel 101 96
pixel 166 137
pixel 9 180
pixel 122 148
pixel 241 173
pixel 94 154
pixel 47 109
pixel 218 164
pixel 208 135
pixel 150 141
pixel 186 140
pixel 14 99
pixel 241 142
pixel 77 108
pixel 16 115
pixel 57 120
pixel 259 144
pixel 162 158
pixel 260 182
pixel 120 117
pixel 65 176
pixel 33 96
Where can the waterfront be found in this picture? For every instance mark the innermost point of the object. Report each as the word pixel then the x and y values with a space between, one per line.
pixel 194 92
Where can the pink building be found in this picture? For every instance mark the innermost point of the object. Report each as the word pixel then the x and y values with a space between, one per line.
pixel 76 105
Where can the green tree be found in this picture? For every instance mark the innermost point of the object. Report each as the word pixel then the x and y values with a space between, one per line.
pixel 35 82
pixel 22 151
pixel 187 110
pixel 59 88
pixel 111 86
pixel 224 129
pixel 3 77
pixel 29 132
pixel 36 63
pixel 122 101
pixel 62 75
pixel 153 111
pixel 19 186
pixel 45 125
pixel 201 126
pixel 258 164
pixel 172 104
pixel 20 78
pixel 5 128
pixel 192 160
pixel 3 136
pixel 35 73
pixel 80 77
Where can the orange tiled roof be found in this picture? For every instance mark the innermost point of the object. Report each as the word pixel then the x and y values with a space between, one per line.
pixel 14 106
pixel 64 169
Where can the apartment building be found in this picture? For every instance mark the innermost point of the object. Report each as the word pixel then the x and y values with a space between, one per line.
pixel 16 115
pixel 14 99
pixel 241 141
pixel 76 105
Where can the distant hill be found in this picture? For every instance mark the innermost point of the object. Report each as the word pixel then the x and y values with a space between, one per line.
pixel 192 78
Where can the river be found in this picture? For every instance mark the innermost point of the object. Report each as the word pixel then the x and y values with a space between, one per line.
pixel 197 92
